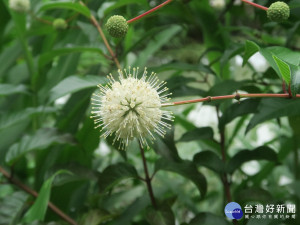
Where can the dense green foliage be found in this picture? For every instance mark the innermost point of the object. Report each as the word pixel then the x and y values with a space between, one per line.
pixel 48 141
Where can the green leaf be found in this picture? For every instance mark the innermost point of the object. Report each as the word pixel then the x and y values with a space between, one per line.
pixel 13 118
pixel 96 217
pixel 10 89
pixel 48 56
pixel 238 109
pixel 253 194
pixel 42 139
pixel 260 153
pixel 182 67
pixel 166 147
pixel 197 134
pixel 77 7
pixel 11 207
pixel 73 84
pixel 250 49
pixel 156 43
pixel 118 4
pixel 186 169
pixel 295 82
pixel 284 69
pixel 132 210
pixel 163 215
pixel 114 174
pixel 210 160
pixel 274 108
pixel 226 87
pixel 39 208
pixel 206 218
pixel 179 86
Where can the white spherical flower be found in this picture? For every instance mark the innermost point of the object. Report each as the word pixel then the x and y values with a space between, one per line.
pixel 131 107
pixel 217 4
pixel 19 5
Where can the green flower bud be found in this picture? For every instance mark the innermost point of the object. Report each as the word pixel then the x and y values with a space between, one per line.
pixel 19 5
pixel 60 24
pixel 117 26
pixel 278 11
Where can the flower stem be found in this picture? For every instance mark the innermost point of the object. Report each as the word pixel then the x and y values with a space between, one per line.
pixel 97 25
pixel 255 5
pixel 147 178
pixel 150 11
pixel 237 96
pixel 35 194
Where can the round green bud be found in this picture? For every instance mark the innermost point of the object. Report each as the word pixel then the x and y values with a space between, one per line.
pixel 117 26
pixel 278 11
pixel 19 5
pixel 60 24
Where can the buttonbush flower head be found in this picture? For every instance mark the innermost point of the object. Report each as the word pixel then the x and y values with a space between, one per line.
pixel 60 24
pixel 19 5
pixel 278 11
pixel 131 107
pixel 117 26
pixel 217 4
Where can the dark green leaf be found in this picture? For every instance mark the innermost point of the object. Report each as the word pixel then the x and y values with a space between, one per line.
pixel 295 80
pixel 206 218
pixel 39 208
pixel 9 89
pixel 186 169
pixel 13 118
pixel 260 153
pixel 273 108
pixel 130 211
pixel 238 109
pixel 67 5
pixel 197 134
pixel 48 56
pixel 182 67
pixel 39 140
pixel 166 146
pixel 73 84
pixel 253 194
pixel 11 207
pixel 114 174
pixel 163 215
pixel 226 87
pixel 210 160
pixel 156 43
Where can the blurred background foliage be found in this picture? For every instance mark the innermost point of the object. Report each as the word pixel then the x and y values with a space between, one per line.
pixel 201 48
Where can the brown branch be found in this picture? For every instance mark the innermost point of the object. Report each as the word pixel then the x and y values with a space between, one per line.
pixel 237 96
pixel 149 11
pixel 147 178
pixel 224 177
pixel 97 25
pixel 27 189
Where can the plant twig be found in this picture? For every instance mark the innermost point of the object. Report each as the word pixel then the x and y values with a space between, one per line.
pixel 147 177
pixel 237 96
pixel 27 189
pixel 149 11
pixel 97 25
pixel 224 177
pixel 256 5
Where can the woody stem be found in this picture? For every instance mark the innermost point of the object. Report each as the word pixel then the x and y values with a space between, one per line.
pixel 97 25
pixel 255 5
pixel 147 177
pixel 149 11
pixel 237 96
